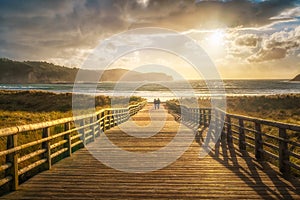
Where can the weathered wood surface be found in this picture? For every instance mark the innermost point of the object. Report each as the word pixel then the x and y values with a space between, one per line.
pixel 230 175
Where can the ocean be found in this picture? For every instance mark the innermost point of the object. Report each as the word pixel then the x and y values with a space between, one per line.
pixel 170 90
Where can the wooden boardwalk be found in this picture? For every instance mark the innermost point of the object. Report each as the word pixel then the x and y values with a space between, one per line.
pixel 230 175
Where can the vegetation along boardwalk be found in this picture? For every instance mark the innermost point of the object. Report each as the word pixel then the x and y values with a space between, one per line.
pixel 225 173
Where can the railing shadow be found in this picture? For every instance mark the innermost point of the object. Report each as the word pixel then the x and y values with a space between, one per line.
pixel 250 170
pixel 199 135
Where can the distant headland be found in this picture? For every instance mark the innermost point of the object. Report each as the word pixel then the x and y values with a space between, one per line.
pixel 31 72
pixel 297 78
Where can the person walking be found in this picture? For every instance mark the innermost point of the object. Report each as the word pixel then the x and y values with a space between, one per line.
pixel 158 103
pixel 155 104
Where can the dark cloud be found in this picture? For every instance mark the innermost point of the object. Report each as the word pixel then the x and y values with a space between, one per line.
pixel 50 29
pixel 208 14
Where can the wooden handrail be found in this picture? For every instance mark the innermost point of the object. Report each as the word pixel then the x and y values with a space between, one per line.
pixel 248 134
pixel 73 133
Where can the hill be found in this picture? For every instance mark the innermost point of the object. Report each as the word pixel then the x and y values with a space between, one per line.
pixel 297 78
pixel 14 72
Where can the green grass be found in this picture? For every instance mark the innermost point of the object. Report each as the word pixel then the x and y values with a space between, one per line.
pixel 27 107
pixel 282 108
pixel 12 118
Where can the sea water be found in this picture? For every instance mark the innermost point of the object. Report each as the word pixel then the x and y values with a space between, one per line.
pixel 170 90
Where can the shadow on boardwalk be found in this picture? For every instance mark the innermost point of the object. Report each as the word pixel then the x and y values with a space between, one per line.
pixel 269 185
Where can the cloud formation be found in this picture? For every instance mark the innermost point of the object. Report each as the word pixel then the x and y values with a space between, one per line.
pixel 249 40
pixel 277 46
pixel 65 32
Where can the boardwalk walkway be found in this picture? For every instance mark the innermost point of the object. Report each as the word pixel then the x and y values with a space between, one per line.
pixel 230 175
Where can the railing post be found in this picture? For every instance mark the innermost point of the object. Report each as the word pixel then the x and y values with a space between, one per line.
pixel 116 117
pixel 186 114
pixel 129 114
pixel 120 116
pixel 242 142
pixel 112 118
pixel 208 116
pixel 124 114
pixel 229 131
pixel 68 138
pixel 108 119
pixel 222 126
pixel 258 142
pixel 46 145
pixel 135 110
pixel 12 141
pixel 182 113
pixel 204 117
pixel 284 157
pixel 82 123
pixel 93 127
pixel 200 117
pixel 216 132
pixel 99 125
pixel 194 116
pixel 103 116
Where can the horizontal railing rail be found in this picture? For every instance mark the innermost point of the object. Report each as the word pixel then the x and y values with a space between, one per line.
pixel 49 142
pixel 273 141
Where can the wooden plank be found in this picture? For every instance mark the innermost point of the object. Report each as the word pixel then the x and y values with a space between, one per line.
pixel 5 166
pixel 5 180
pixel 33 165
pixel 59 152
pixel 31 155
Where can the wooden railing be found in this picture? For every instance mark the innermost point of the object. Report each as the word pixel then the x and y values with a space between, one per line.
pixel 268 140
pixel 49 142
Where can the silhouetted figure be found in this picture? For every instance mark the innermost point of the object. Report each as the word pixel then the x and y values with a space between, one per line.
pixel 158 103
pixel 155 104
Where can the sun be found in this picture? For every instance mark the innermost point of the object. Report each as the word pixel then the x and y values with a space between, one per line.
pixel 216 37
pixel 143 3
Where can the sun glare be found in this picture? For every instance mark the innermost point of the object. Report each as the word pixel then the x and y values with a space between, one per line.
pixel 216 38
pixel 143 3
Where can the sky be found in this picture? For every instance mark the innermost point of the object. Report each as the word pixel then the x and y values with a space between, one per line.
pixel 248 39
